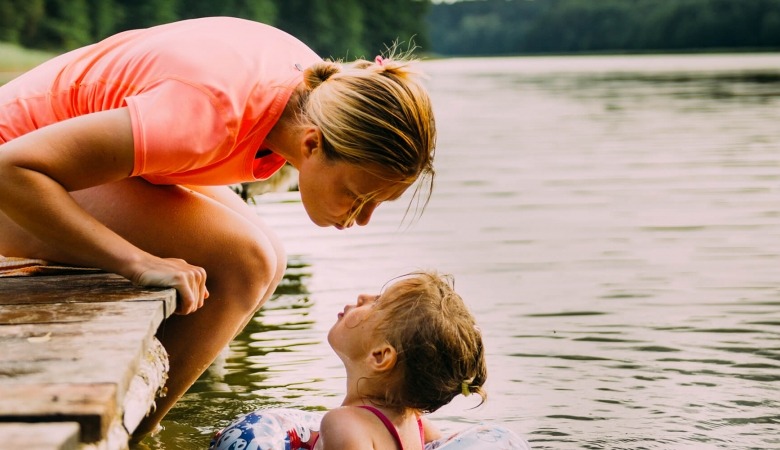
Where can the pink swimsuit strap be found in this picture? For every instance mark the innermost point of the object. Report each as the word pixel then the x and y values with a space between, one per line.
pixel 391 428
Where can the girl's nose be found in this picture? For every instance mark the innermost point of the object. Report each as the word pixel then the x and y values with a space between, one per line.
pixel 366 298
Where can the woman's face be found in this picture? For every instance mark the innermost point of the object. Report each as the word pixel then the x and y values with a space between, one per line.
pixel 332 190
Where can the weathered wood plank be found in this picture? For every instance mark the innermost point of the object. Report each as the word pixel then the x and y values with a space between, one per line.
pixel 100 287
pixel 94 313
pixel 74 348
pixel 112 369
pixel 147 383
pixel 39 436
pixel 93 406
pixel 37 333
pixel 107 348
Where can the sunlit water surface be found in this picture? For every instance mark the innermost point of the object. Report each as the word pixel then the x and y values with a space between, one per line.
pixel 614 224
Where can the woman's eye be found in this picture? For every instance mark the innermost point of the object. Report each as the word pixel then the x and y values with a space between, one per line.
pixel 351 194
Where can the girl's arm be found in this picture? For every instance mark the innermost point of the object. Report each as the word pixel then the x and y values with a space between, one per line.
pixel 37 170
pixel 431 431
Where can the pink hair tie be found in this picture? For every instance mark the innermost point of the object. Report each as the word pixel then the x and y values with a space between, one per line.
pixel 379 60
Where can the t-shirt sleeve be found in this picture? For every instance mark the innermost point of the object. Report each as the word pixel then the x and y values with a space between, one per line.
pixel 177 127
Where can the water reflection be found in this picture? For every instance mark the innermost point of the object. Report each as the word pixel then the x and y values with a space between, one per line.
pixel 251 373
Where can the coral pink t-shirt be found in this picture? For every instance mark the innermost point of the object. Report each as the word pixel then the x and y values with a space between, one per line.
pixel 202 95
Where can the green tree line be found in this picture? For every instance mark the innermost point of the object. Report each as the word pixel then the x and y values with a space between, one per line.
pixel 351 28
pixel 496 27
pixel 334 28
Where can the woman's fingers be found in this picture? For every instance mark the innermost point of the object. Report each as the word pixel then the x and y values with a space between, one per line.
pixel 188 280
pixel 194 285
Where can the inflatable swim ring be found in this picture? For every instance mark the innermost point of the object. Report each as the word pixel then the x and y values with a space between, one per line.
pixel 481 437
pixel 292 429
pixel 269 429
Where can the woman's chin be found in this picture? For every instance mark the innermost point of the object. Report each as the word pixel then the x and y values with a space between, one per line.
pixel 321 222
pixel 325 223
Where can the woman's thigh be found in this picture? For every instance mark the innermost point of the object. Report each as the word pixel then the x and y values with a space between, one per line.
pixel 204 226
pixel 231 200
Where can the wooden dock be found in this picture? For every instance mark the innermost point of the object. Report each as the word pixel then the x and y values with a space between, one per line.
pixel 79 363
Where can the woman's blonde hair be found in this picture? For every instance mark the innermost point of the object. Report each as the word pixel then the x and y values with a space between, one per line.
pixel 375 114
pixel 439 346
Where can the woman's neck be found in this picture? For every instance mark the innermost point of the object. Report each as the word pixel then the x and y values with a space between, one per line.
pixel 285 136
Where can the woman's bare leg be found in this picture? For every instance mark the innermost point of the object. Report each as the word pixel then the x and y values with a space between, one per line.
pixel 208 227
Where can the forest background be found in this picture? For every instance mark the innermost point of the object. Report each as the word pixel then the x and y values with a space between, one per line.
pixel 345 29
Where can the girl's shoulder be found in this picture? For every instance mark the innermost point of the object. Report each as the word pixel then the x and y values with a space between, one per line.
pixel 346 427
pixel 368 427
pixel 348 417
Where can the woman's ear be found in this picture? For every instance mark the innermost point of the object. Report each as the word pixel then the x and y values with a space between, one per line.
pixel 310 143
pixel 383 357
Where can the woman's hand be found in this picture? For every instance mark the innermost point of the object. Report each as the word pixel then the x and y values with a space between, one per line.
pixel 188 280
pixel 38 170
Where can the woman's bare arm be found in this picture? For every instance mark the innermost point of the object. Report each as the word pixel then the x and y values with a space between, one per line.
pixel 38 170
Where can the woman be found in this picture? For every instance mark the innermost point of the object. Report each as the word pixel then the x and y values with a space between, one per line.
pixel 117 156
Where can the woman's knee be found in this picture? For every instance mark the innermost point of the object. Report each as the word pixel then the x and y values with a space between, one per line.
pixel 247 272
pixel 260 236
pixel 266 236
pixel 243 258
pixel 281 261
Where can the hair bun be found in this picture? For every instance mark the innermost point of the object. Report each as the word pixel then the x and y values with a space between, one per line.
pixel 318 73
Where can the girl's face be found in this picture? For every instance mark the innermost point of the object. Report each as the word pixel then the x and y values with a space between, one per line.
pixel 354 332
pixel 332 190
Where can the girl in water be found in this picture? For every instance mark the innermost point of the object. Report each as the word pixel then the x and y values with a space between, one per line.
pixel 118 156
pixel 407 351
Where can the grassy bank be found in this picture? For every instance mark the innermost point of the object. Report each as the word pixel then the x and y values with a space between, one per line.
pixel 15 60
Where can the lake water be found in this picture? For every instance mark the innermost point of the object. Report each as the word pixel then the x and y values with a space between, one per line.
pixel 614 224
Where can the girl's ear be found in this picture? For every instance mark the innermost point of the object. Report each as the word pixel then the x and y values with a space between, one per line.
pixel 383 358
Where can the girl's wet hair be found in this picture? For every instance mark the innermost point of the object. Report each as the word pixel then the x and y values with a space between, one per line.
pixel 439 346
pixel 375 114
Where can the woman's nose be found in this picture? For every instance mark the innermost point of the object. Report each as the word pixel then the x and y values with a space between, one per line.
pixel 364 215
